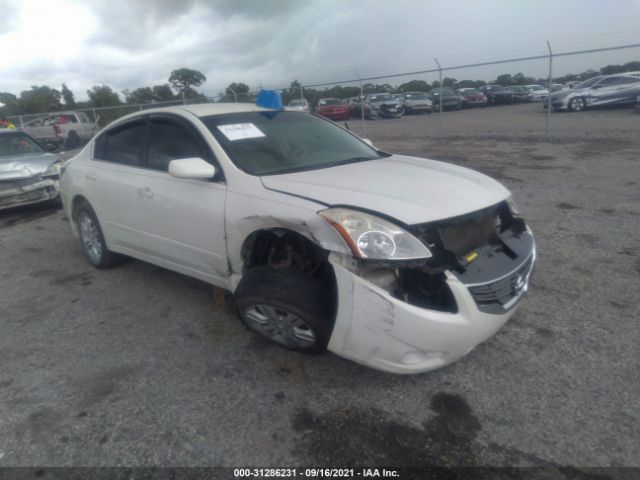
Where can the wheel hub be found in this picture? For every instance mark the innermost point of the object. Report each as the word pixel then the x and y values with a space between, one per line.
pixel 280 326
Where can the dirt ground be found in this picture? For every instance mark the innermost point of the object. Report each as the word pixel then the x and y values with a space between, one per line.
pixel 132 366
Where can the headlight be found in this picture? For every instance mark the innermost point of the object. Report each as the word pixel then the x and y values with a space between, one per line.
pixel 53 169
pixel 375 238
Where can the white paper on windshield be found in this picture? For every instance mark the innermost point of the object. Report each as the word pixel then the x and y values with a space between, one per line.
pixel 239 131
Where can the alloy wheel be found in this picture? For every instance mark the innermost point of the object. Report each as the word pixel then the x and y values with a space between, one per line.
pixel 90 236
pixel 279 326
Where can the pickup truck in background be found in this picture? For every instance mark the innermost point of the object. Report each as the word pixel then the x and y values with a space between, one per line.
pixel 64 129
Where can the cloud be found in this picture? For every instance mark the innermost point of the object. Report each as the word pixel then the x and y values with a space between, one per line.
pixel 129 44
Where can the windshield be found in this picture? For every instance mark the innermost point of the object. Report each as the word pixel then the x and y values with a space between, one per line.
pixel 267 143
pixel 535 87
pixel 445 91
pixel 469 91
pixel 381 98
pixel 18 144
pixel 416 96
pixel 297 103
pixel 330 101
pixel 588 83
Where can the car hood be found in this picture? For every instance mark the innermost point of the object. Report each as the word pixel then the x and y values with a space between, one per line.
pixel 24 166
pixel 412 190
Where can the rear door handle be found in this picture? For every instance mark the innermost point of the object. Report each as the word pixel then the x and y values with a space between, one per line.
pixel 145 192
pixel 91 177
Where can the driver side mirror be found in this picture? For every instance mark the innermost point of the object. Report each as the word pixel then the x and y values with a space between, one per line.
pixel 191 168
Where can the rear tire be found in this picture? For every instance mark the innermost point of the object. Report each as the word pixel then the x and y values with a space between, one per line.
pixel 92 239
pixel 285 307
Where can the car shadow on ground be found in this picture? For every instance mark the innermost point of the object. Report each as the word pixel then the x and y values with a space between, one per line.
pixel 28 213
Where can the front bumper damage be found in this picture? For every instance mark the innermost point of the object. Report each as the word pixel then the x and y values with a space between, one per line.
pixel 379 326
pixel 26 191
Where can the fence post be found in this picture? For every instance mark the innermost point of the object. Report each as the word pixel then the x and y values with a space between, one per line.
pixel 21 123
pixel 440 81
pixel 548 128
pixel 361 103
pixel 301 92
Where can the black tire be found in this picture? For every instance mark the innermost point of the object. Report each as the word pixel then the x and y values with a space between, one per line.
pixel 289 295
pixel 72 141
pixel 577 104
pixel 93 244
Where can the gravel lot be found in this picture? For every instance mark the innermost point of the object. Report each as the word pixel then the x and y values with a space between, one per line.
pixel 133 366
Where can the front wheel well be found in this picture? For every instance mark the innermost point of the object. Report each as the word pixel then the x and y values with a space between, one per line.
pixel 75 203
pixel 281 248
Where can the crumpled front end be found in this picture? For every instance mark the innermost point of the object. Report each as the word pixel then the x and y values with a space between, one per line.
pixel 25 191
pixel 414 318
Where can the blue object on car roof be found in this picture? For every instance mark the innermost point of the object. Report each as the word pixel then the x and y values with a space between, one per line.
pixel 270 99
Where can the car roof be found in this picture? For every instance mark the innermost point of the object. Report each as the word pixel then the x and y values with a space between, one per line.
pixel 201 110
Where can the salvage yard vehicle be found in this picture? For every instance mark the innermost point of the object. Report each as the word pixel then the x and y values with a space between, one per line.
pixel 417 102
pixel 333 109
pixel 519 94
pixel 537 93
pixel 385 105
pixel 28 174
pixel 301 104
pixel 66 129
pixel 497 94
pixel 399 263
pixel 450 99
pixel 604 90
pixel 472 97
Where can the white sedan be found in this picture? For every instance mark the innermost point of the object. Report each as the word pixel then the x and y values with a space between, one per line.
pixel 398 263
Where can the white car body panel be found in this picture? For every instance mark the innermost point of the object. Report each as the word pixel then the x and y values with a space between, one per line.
pixel 406 188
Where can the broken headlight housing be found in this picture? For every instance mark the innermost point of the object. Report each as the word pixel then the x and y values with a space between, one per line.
pixel 53 170
pixel 374 238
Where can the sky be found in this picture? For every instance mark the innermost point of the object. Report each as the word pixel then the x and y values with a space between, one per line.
pixel 268 43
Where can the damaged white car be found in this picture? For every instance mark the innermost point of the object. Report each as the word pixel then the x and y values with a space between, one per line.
pixel 399 263
pixel 28 174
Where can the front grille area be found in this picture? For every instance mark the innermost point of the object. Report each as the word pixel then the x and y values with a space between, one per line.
pixel 500 295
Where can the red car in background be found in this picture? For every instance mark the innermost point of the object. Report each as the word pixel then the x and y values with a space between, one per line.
pixel 472 97
pixel 333 109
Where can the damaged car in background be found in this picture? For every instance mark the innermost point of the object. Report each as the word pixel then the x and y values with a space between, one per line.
pixel 28 173
pixel 399 263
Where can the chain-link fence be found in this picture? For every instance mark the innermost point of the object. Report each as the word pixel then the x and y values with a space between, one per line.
pixel 464 96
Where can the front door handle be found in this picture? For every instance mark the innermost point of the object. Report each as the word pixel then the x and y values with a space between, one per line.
pixel 145 192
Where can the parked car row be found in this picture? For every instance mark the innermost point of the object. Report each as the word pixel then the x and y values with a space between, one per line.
pixel 394 105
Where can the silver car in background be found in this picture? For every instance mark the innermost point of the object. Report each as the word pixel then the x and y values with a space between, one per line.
pixel 618 89
pixel 28 174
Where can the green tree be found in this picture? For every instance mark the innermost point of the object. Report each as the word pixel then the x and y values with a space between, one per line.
pixel 103 96
pixel 40 99
pixel 240 89
pixel 520 79
pixel 11 105
pixel 163 93
pixel 67 95
pixel 139 95
pixel 184 80
pixel 504 79
pixel 611 69
pixel 414 86
pixel 449 82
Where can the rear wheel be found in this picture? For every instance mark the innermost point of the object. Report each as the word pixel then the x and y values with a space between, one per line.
pixel 577 104
pixel 285 307
pixel 92 239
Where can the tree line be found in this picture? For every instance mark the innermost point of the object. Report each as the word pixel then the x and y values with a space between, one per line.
pixel 182 84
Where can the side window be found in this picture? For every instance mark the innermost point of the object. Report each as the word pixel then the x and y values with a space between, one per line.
pixel 122 144
pixel 170 141
pixel 83 118
pixel 611 81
